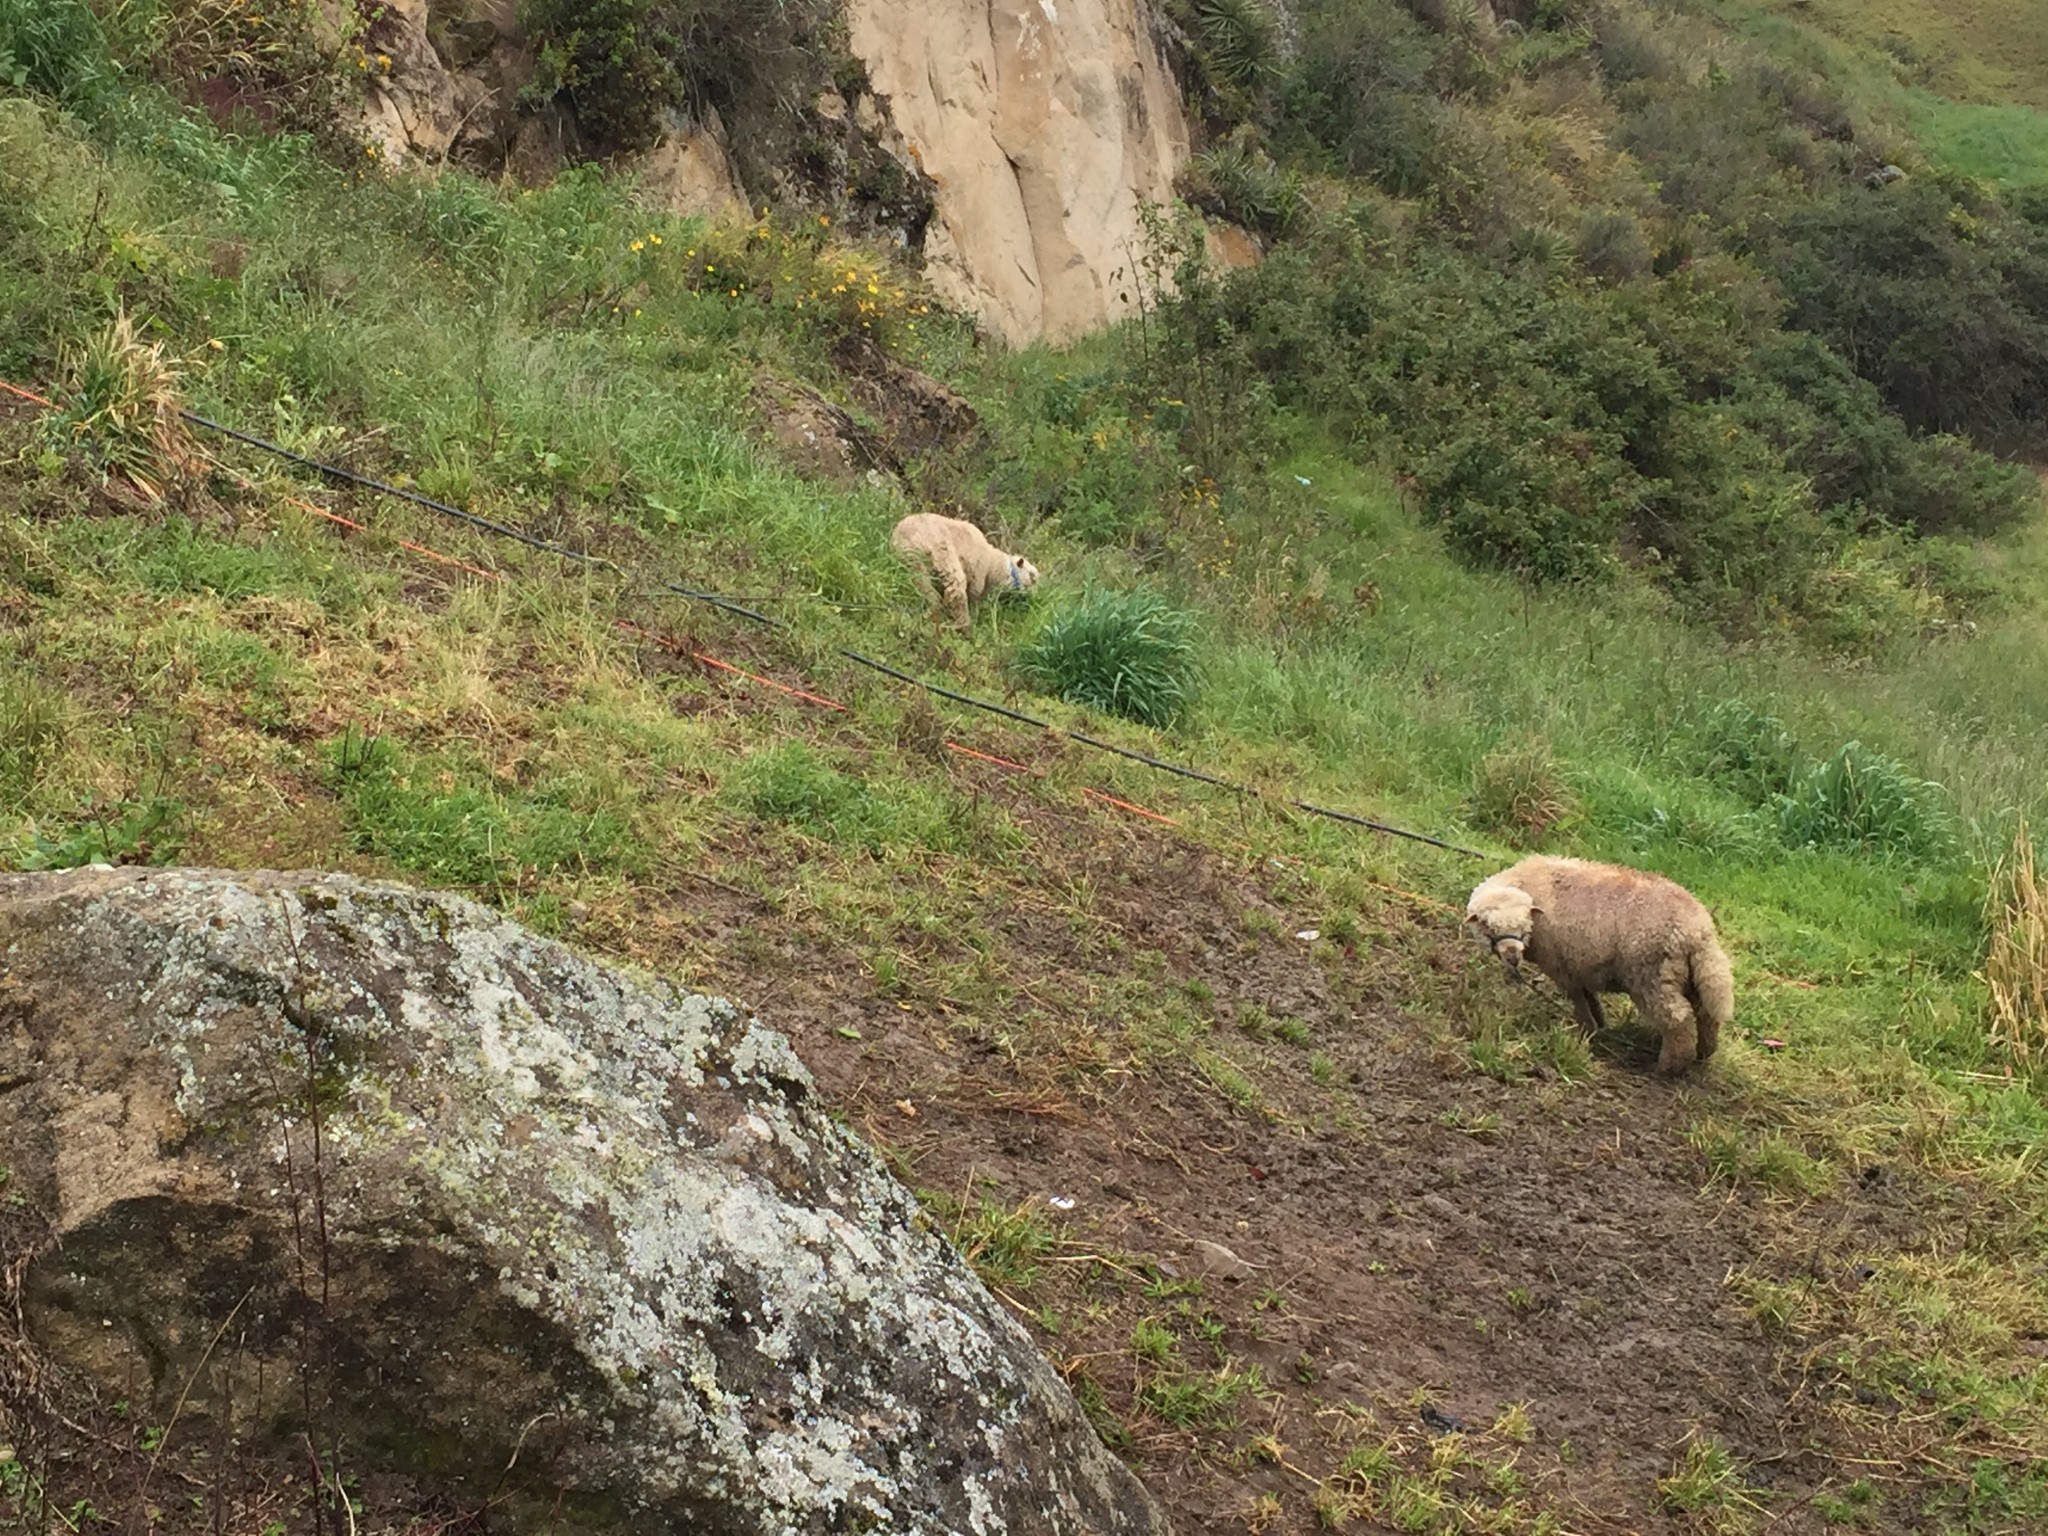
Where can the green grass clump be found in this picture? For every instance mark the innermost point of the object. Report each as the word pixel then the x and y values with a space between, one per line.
pixel 791 783
pixel 1520 793
pixel 433 818
pixel 1861 799
pixel 1129 653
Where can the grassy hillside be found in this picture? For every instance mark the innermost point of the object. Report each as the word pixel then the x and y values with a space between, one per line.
pixel 1969 81
pixel 1806 1289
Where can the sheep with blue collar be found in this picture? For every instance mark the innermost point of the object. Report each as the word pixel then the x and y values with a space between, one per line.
pixel 955 565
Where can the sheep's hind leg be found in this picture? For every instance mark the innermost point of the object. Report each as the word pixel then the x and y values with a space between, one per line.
pixel 953 582
pixel 1672 1017
pixel 1587 1010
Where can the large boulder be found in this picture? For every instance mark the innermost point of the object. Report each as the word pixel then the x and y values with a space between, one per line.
pixel 326 1162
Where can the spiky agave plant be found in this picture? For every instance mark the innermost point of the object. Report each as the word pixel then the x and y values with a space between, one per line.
pixel 1240 38
pixel 121 404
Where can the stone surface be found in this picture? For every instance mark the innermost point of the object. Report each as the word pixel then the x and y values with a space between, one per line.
pixel 1043 124
pixel 688 172
pixel 463 1193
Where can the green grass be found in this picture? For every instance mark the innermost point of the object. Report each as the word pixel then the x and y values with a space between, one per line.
pixel 1969 83
pixel 243 685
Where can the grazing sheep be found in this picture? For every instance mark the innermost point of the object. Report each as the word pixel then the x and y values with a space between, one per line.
pixel 1595 928
pixel 954 564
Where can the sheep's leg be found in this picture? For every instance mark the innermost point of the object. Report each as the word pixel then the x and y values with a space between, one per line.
pixel 1665 1007
pixel 953 582
pixel 1586 1009
pixel 921 573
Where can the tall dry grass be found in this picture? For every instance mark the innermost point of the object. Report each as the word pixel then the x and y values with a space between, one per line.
pixel 2016 968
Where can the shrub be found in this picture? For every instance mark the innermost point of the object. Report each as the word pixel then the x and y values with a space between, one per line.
pixel 1859 799
pixel 1611 245
pixel 1130 653
pixel 1519 793
pixel 1360 91
pixel 56 47
pixel 1942 305
pixel 1237 42
pixel 1237 180
pixel 121 404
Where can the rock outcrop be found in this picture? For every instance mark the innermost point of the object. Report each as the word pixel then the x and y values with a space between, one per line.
pixel 325 1160
pixel 1043 123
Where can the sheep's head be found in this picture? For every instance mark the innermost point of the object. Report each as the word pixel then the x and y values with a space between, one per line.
pixel 1501 917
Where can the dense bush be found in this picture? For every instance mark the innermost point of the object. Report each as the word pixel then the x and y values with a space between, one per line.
pixel 1675 377
pixel 57 47
pixel 1862 800
pixel 623 65
pixel 1940 301
pixel 1361 95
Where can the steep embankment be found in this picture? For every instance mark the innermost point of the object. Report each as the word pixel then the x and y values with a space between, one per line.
pixel 1033 130
pixel 1042 127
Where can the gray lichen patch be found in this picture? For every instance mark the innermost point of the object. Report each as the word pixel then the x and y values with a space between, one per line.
pixel 559 1207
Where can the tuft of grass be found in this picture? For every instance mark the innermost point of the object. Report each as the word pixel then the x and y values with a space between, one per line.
pixel 437 818
pixel 1129 653
pixel 1707 1481
pixel 791 783
pixel 32 733
pixel 1746 750
pixel 2015 965
pixel 121 403
pixel 1004 1246
pixel 1519 792
pixel 1864 800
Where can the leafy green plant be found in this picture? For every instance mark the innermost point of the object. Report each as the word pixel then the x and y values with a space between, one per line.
pixel 1130 653
pixel 1741 747
pixel 1238 40
pixel 1237 180
pixel 58 47
pixel 121 403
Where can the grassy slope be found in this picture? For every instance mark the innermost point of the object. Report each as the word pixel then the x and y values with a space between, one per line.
pixel 1969 82
pixel 1058 989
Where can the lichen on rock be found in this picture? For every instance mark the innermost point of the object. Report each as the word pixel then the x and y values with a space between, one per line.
pixel 479 1202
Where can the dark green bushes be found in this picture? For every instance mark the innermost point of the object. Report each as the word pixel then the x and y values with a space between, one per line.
pixel 1938 296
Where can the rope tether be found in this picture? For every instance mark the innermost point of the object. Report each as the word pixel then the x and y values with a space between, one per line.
pixel 739 610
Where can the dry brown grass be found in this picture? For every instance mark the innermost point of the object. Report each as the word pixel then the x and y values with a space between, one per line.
pixel 2016 968
pixel 122 403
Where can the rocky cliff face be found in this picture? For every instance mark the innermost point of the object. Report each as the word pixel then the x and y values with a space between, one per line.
pixel 1043 123
pixel 325 1164
pixel 1034 128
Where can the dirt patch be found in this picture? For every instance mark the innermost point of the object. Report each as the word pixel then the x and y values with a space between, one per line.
pixel 1427 1246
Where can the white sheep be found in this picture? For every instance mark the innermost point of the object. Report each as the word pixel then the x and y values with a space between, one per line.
pixel 954 564
pixel 1594 928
